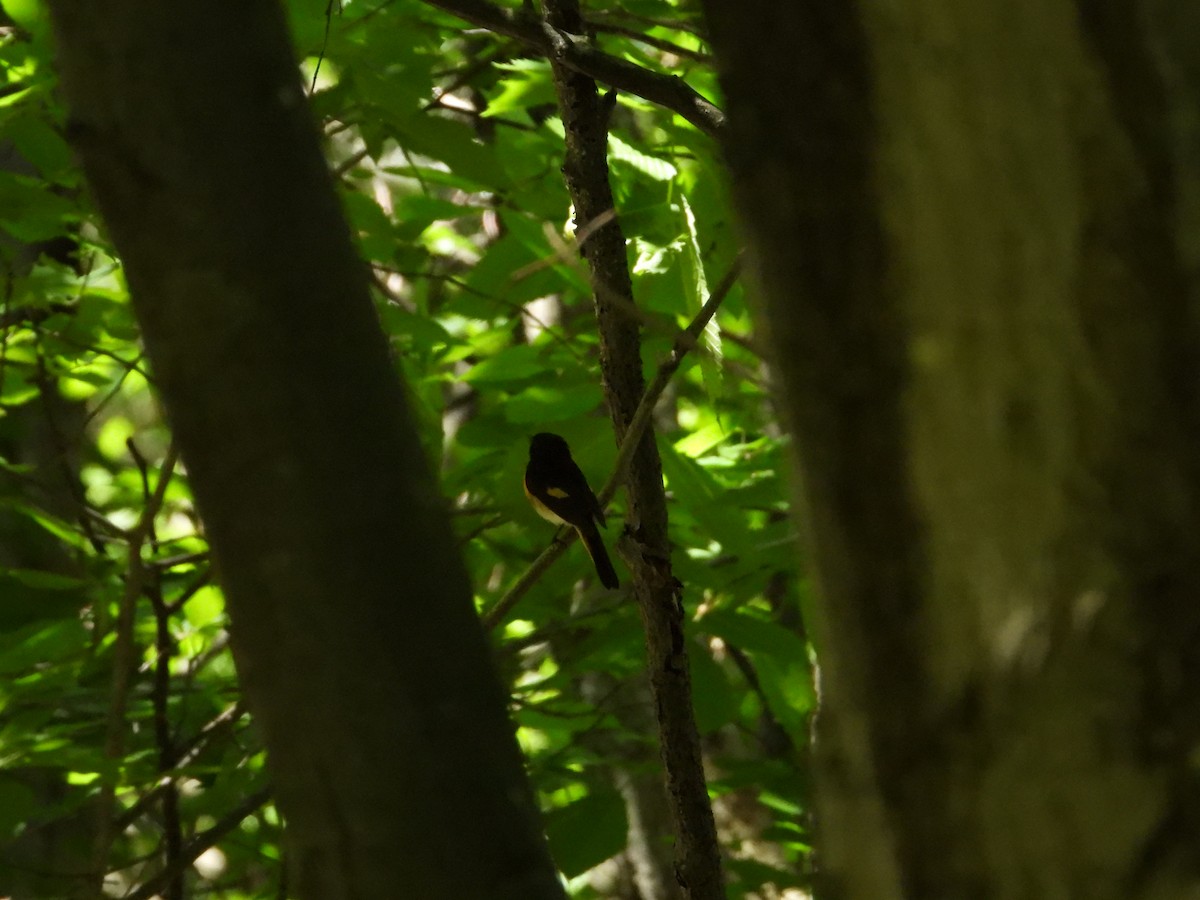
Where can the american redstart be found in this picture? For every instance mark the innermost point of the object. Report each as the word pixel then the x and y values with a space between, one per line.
pixel 560 493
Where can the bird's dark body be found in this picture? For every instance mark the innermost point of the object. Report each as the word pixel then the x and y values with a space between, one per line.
pixel 560 493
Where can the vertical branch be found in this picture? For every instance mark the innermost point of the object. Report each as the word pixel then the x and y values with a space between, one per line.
pixel 124 657
pixel 169 801
pixel 160 697
pixel 585 121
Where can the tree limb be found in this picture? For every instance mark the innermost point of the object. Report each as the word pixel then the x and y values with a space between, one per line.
pixel 659 594
pixel 201 842
pixel 668 91
pixel 124 658
pixel 389 767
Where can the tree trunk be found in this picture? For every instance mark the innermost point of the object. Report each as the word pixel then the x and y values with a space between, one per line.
pixel 659 593
pixel 359 650
pixel 974 228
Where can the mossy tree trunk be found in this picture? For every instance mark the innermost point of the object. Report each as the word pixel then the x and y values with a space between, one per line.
pixel 358 649
pixel 975 231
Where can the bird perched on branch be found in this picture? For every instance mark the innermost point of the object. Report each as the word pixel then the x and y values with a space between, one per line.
pixel 560 493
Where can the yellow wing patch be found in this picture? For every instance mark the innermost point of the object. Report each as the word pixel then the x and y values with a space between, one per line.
pixel 557 492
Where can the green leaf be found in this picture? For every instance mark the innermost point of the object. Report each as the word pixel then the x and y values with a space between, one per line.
pixel 540 404
pixel 528 84
pixel 65 532
pixel 376 235
pixel 454 144
pixel 713 698
pixel 779 655
pixel 18 805
pixel 695 285
pixel 29 14
pixel 516 363
pixel 755 635
pixel 47 580
pixel 585 833
pixel 29 212
pixel 18 386
pixel 41 643
pixel 658 169
pixel 41 145
pixel 703 498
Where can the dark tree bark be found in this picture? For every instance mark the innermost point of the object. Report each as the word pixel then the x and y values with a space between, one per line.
pixel 659 594
pixel 974 232
pixel 393 760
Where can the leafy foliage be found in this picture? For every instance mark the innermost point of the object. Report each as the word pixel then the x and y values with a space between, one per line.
pixel 447 149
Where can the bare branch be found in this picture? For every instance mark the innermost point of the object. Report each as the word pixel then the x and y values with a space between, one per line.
pixel 124 657
pixel 668 91
pixel 201 842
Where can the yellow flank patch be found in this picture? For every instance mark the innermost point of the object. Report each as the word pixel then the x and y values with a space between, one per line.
pixel 557 492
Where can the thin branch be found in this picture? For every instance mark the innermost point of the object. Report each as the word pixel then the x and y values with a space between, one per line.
pixel 529 578
pixel 485 525
pixel 778 734
pixel 33 315
pixel 658 592
pixel 656 42
pixel 684 342
pixel 124 655
pixel 202 580
pixel 160 698
pixel 464 75
pixel 188 753
pixel 201 842
pixel 350 162
pixel 670 24
pixel 183 559
pixel 687 339
pixel 554 332
pixel 324 45
pixel 668 91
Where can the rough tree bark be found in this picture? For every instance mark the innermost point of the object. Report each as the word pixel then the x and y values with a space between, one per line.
pixel 659 594
pixel 976 229
pixel 393 760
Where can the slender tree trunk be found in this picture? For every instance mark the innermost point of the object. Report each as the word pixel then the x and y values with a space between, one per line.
pixel 356 641
pixel 659 594
pixel 974 229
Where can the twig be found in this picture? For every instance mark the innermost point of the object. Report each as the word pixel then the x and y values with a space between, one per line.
pixel 658 592
pixel 124 654
pixel 479 529
pixel 32 315
pixel 668 91
pixel 160 698
pixel 555 333
pixel 671 25
pixel 350 162
pixel 200 843
pixel 686 340
pixel 464 75
pixel 324 45
pixel 202 580
pixel 188 753
pixel 656 42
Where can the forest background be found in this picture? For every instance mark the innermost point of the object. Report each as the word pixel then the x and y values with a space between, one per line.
pixel 970 244
pixel 446 151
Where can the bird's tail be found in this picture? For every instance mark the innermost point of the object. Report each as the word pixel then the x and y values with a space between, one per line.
pixel 594 544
